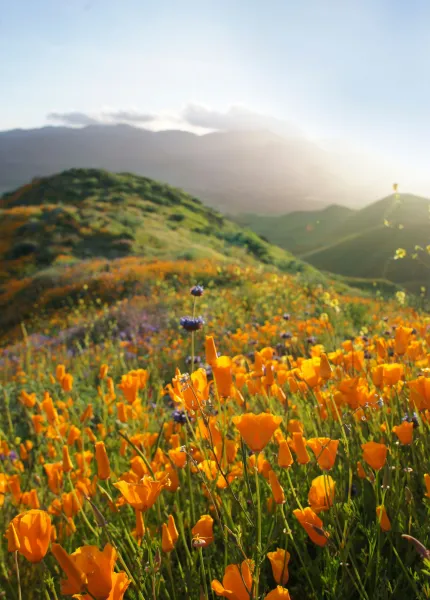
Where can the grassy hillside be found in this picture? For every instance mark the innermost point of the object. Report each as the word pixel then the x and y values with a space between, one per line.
pixel 357 244
pixel 299 231
pixel 68 223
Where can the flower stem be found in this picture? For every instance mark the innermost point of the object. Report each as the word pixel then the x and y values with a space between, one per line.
pixel 257 567
pixel 18 576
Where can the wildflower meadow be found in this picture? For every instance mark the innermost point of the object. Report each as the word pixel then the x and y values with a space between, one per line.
pixel 227 432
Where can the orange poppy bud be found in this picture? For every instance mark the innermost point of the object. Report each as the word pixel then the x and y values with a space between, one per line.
pixel 67 463
pixel 285 458
pixel 279 561
pixel 122 415
pixel 87 414
pixel 74 434
pixel 60 371
pixel 67 382
pixel 37 421
pixel 374 454
pixel 29 533
pixel 90 434
pixel 210 350
pixel 103 371
pixel 277 490
pixel 300 448
pixel 383 519
pixel 257 430
pixel 222 370
pixel 48 408
pixel 325 368
pixel 312 524
pixel 325 451
pixel 203 530
pixel 169 535
pixel 427 484
pixel 360 471
pixel 103 466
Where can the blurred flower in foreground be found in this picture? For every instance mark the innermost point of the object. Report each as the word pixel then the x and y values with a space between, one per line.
pixel 236 583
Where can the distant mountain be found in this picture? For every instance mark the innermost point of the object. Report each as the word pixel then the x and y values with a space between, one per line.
pixel 56 231
pixel 242 171
pixel 359 243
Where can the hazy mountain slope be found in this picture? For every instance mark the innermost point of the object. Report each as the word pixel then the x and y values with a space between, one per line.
pixel 299 231
pixel 243 171
pixel 356 243
pixel 83 216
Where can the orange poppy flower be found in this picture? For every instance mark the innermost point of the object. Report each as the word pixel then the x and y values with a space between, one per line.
pixel 279 593
pixel 374 454
pixel 405 432
pixel 312 524
pixel 103 466
pixel 257 430
pixel 383 519
pixel 203 530
pixel 321 494
pixel 169 535
pixel 142 495
pixel 236 583
pixel 392 373
pixel 402 338
pixel 325 451
pixel 29 533
pixel 54 471
pixel 178 457
pixel 279 561
pixel 87 568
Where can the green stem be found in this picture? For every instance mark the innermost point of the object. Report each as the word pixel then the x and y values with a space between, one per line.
pixel 18 576
pixel 257 566
pixel 202 565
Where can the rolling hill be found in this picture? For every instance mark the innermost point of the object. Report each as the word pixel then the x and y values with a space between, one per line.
pixel 56 230
pixel 233 171
pixel 359 243
pixel 298 231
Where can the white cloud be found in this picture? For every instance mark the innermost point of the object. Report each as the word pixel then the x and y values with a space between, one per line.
pixel 76 118
pixel 235 118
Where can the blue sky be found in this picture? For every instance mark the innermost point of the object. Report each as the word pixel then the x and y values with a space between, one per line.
pixel 356 70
